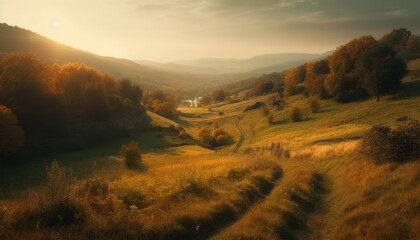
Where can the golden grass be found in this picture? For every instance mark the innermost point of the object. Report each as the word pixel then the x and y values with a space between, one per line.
pixel 188 199
pixel 283 214
pixel 370 201
pixel 324 191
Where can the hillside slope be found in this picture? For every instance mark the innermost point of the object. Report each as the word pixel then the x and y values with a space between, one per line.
pixel 258 64
pixel 15 39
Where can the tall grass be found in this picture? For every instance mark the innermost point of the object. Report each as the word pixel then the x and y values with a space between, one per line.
pixel 179 201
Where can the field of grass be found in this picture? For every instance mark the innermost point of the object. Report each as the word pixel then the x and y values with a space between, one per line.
pixel 173 196
pixel 321 189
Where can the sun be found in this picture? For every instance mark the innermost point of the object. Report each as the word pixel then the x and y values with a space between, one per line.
pixel 56 24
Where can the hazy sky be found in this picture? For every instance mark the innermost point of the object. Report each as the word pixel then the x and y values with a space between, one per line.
pixel 166 30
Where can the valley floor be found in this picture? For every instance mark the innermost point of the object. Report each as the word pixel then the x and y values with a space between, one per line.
pixel 313 186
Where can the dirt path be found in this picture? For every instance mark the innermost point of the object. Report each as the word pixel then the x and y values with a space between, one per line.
pixel 319 222
pixel 242 135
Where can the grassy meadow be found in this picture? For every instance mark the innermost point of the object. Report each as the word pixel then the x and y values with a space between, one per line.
pixel 323 189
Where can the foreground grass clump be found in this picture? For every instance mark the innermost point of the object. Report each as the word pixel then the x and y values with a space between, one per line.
pixel 131 153
pixel 53 206
pixel 284 213
pixel 186 200
pixel 371 201
pixel 383 144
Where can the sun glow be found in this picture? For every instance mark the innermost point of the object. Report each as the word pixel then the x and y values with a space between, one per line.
pixel 56 24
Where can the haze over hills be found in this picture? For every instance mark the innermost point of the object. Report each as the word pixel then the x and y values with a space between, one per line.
pixel 15 39
pixel 255 65
pixel 198 73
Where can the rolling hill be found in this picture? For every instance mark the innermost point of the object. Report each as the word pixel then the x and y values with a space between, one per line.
pixel 258 64
pixel 199 73
pixel 15 39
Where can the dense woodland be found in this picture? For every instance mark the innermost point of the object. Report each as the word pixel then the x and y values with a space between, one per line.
pixel 69 104
pixel 361 68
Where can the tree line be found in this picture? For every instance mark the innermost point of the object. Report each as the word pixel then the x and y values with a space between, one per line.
pixel 363 67
pixel 48 104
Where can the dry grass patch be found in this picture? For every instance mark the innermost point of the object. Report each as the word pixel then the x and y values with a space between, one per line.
pixel 283 214
pixel 179 201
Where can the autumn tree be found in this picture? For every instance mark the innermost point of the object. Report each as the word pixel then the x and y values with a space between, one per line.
pixel 62 102
pixel 160 102
pixel 218 95
pixel 204 100
pixel 343 82
pixel 263 87
pixel 396 38
pixel 292 77
pixel 11 137
pixel 130 91
pixel 316 72
pixel 166 109
pixel 380 69
pixel 26 86
pixel 414 42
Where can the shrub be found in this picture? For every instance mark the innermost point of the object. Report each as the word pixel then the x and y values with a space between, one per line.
pixel 207 140
pixel 131 153
pixel 215 138
pixel 217 132
pixel 383 144
pixel 97 186
pixel 202 131
pixel 134 198
pixel 223 140
pixel 376 144
pixel 294 114
pixel 313 104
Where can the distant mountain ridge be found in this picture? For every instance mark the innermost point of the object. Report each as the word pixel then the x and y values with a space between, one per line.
pixel 198 73
pixel 15 39
pixel 253 64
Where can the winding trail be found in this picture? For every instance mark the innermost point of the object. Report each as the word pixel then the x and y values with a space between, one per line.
pixel 319 222
pixel 242 135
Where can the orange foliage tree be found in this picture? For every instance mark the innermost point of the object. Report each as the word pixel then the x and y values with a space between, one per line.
pixel 204 101
pixel 160 103
pixel 264 87
pixel 59 101
pixel 292 77
pixel 11 137
pixel 343 83
pixel 316 72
